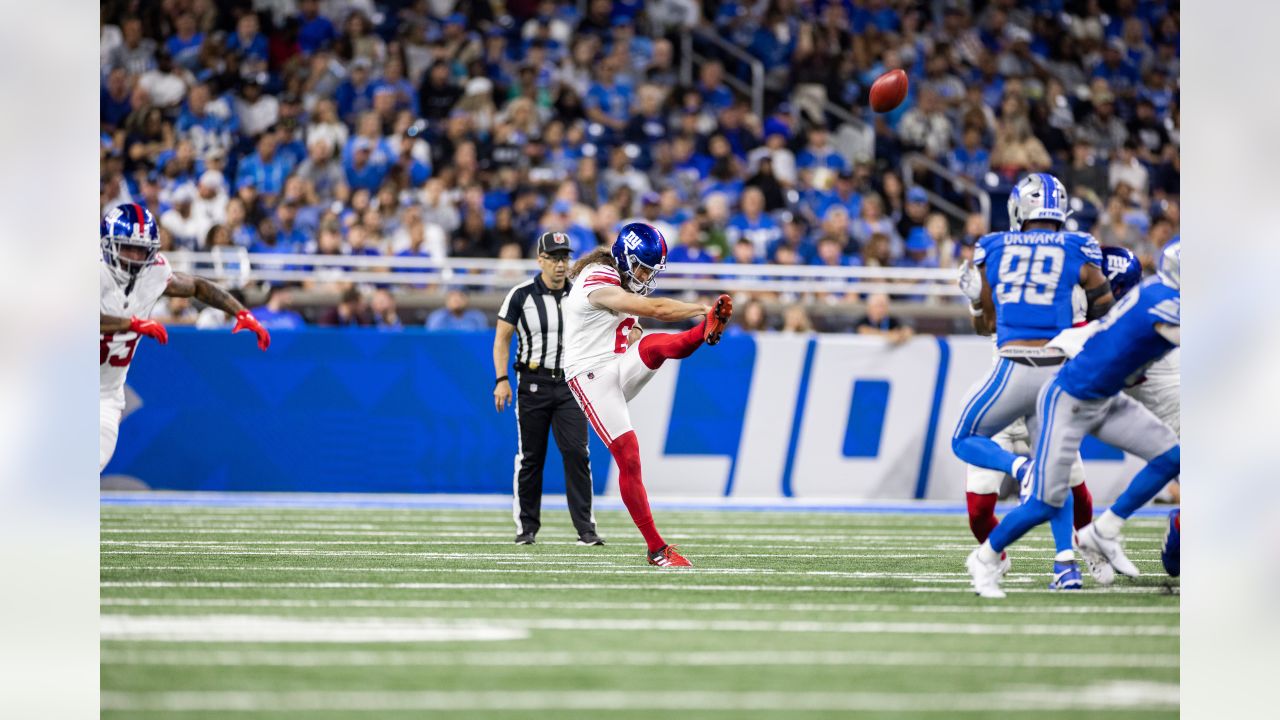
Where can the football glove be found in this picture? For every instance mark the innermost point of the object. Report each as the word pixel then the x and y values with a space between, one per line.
pixel 970 280
pixel 246 321
pixel 150 328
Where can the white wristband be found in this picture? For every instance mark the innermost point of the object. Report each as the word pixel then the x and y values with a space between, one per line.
pixel 975 310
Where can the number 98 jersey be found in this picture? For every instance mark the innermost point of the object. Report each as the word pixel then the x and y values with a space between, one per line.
pixel 117 349
pixel 1031 275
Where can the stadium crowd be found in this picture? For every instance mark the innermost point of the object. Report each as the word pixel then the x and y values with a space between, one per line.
pixel 438 128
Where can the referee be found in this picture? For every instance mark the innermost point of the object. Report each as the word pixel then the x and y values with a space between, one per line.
pixel 544 402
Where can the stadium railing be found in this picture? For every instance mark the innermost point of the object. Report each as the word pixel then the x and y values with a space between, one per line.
pixel 687 54
pixel 242 267
pixel 963 184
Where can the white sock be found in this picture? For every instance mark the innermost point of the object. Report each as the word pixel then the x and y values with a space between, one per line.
pixel 1065 556
pixel 1109 524
pixel 987 555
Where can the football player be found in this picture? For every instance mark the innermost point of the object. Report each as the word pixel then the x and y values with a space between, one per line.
pixel 608 361
pixel 1027 277
pixel 132 278
pixel 1160 386
pixel 1085 398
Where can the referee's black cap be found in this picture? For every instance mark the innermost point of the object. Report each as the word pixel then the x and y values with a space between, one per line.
pixel 554 242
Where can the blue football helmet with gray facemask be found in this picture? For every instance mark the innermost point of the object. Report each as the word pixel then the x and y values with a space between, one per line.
pixel 128 225
pixel 1038 196
pixel 640 246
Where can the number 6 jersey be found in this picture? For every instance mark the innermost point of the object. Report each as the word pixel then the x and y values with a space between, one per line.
pixel 593 335
pixel 1031 275
pixel 117 348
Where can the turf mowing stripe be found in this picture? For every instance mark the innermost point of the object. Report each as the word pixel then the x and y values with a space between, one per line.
pixel 641 606
pixel 1115 695
pixel 265 628
pixel 584 586
pixel 400 658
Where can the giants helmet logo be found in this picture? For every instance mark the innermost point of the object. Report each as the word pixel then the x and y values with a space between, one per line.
pixel 631 240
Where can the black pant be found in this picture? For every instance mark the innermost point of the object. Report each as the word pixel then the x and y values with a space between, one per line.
pixel 544 404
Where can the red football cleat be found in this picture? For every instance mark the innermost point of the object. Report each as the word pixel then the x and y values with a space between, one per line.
pixel 717 317
pixel 667 556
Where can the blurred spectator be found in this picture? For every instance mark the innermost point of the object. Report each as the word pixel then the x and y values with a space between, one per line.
pixel 383 307
pixel 210 203
pixel 255 109
pixel 873 221
pixel 277 313
pixel 349 312
pixel 796 320
pixel 878 321
pixel 1128 169
pixel 166 83
pixel 753 318
pixel 455 315
pixel 753 224
pixel 925 127
pixel 136 53
pixel 114 100
pixel 689 249
pixel 970 159
pixel 182 224
pixel 247 40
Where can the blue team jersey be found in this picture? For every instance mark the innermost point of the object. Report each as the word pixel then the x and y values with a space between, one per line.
pixel 1125 343
pixel 1031 275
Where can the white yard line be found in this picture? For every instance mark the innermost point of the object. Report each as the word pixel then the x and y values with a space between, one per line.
pixel 385 658
pixel 962 577
pixel 642 606
pixel 1130 696
pixel 265 629
pixel 805 538
pixel 581 586
pixel 268 628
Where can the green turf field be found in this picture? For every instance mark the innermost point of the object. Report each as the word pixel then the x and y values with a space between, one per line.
pixel 357 613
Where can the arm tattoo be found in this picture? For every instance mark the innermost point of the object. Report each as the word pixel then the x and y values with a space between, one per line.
pixel 214 296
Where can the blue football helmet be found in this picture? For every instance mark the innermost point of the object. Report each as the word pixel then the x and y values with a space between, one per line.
pixel 1122 269
pixel 129 225
pixel 640 245
pixel 1038 196
pixel 1169 266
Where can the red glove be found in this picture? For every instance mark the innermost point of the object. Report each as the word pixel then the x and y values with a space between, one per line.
pixel 246 321
pixel 150 328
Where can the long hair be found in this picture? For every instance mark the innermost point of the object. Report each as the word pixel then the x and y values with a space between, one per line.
pixel 602 255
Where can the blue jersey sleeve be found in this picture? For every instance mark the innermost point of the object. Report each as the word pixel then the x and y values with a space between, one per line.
pixel 1089 248
pixel 982 248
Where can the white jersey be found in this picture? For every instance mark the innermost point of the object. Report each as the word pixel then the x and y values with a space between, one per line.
pixel 594 335
pixel 1160 390
pixel 118 348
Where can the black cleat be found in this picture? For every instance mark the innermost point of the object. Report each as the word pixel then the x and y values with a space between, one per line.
pixel 590 538
pixel 525 539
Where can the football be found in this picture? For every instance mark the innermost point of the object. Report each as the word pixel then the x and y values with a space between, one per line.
pixel 888 91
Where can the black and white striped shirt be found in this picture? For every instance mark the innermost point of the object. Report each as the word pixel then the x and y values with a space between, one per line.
pixel 535 311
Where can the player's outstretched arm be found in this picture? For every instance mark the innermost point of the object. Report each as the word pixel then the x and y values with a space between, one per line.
pixel 664 309
pixel 184 285
pixel 150 328
pixel 1097 291
pixel 111 324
